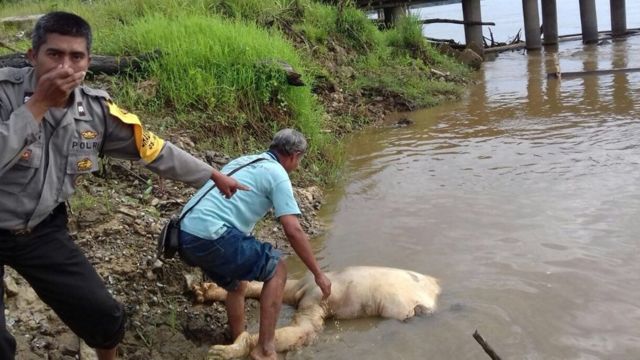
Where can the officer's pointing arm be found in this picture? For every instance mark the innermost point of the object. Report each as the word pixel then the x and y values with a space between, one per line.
pixel 126 138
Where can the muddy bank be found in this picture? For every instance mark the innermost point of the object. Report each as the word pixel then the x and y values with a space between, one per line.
pixel 115 217
pixel 115 223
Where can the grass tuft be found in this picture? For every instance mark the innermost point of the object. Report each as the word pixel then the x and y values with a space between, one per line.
pixel 218 76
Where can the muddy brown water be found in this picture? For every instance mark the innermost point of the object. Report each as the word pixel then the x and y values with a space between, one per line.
pixel 523 199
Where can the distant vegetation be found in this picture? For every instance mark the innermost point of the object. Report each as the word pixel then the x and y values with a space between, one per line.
pixel 218 76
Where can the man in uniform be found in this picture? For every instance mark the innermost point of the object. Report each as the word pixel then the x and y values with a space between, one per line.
pixel 215 236
pixel 53 129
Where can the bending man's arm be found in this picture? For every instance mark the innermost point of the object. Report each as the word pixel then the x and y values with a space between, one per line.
pixel 300 243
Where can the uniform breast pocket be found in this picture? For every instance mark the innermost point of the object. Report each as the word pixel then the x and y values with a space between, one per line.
pixel 24 171
pixel 77 165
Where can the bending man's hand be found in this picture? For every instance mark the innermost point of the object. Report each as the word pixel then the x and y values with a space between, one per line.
pixel 226 184
pixel 325 285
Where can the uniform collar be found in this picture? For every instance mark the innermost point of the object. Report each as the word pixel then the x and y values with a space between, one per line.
pixel 29 88
pixel 29 80
pixel 273 155
pixel 78 108
pixel 28 83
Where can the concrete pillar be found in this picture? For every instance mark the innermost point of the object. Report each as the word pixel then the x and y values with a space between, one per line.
pixel 392 14
pixel 618 18
pixel 589 21
pixel 531 24
pixel 471 11
pixel 550 22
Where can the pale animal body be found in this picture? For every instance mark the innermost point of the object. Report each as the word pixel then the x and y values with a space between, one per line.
pixel 357 292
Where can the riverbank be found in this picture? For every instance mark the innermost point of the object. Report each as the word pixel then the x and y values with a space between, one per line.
pixel 354 76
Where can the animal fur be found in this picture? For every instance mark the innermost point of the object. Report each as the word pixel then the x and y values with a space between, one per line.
pixel 358 291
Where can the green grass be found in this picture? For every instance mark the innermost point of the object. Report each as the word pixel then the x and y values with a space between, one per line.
pixel 217 76
pixel 86 201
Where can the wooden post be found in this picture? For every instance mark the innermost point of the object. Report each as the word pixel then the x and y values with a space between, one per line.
pixel 618 18
pixel 531 24
pixel 471 12
pixel 392 14
pixel 589 21
pixel 550 22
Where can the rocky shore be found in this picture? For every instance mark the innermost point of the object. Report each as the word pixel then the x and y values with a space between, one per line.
pixel 116 223
pixel 116 215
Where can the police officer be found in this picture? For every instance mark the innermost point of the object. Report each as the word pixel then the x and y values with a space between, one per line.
pixel 53 129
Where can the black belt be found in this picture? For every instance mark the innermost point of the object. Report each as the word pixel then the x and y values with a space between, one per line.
pixel 21 232
pixel 59 210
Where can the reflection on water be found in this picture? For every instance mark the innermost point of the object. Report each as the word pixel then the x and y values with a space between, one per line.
pixel 523 199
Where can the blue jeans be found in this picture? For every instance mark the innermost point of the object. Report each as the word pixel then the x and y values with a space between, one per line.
pixel 231 258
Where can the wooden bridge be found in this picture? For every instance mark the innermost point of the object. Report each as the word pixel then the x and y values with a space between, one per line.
pixel 471 12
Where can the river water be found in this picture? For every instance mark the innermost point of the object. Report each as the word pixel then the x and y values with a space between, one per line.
pixel 522 198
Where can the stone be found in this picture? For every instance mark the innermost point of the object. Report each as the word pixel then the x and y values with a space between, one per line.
pixel 10 286
pixel 470 58
pixel 69 344
pixel 476 49
pixel 26 22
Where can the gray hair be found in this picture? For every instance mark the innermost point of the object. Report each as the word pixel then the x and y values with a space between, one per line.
pixel 288 142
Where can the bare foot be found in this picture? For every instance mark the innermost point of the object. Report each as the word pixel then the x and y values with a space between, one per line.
pixel 258 354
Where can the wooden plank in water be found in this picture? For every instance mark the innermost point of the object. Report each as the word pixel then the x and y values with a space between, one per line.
pixel 577 74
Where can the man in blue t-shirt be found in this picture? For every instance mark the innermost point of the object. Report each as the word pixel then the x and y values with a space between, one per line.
pixel 215 235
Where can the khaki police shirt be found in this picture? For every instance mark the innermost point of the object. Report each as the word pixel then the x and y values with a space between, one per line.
pixel 40 161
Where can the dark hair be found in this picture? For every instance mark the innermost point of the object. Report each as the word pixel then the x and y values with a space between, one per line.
pixel 288 142
pixel 63 23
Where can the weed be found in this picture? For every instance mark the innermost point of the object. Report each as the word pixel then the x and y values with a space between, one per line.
pixel 215 77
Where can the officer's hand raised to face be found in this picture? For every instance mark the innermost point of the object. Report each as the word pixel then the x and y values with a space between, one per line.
pixel 53 90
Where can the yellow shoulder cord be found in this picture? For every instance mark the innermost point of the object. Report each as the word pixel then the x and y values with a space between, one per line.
pixel 149 144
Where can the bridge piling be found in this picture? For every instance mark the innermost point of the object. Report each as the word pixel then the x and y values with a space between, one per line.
pixel 392 14
pixel 531 24
pixel 471 12
pixel 589 21
pixel 618 18
pixel 550 22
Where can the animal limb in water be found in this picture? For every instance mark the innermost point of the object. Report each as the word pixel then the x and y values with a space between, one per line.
pixel 357 291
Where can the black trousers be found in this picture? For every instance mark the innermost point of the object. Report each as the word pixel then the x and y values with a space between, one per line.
pixel 61 275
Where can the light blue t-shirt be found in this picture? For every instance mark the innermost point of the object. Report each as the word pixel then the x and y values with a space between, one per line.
pixel 270 188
